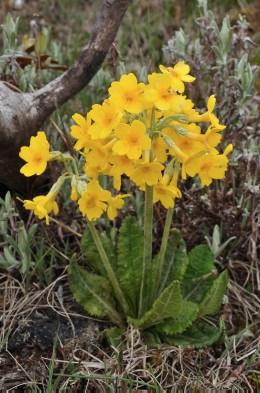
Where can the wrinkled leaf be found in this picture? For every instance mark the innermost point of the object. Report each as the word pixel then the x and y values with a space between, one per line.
pixel 199 275
pixel 189 312
pixel 92 292
pixel 168 305
pixel 196 289
pixel 90 250
pixel 114 336
pixel 152 339
pixel 175 261
pixel 212 300
pixel 130 256
pixel 200 334
pixel 201 262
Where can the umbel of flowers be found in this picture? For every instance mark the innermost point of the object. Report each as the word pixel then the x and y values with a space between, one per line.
pixel 148 132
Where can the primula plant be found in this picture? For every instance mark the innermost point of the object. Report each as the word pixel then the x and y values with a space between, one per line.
pixel 151 135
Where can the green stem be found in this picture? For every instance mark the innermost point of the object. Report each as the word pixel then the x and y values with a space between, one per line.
pixel 64 161
pixel 107 265
pixel 165 238
pixel 74 163
pixel 147 256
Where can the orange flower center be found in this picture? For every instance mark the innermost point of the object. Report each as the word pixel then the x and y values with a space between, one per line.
pixel 186 144
pixel 37 159
pixel 173 72
pixel 133 140
pixel 204 168
pixel 91 202
pixel 128 97
pixel 146 169
pixel 160 191
pixel 164 94
pixel 107 121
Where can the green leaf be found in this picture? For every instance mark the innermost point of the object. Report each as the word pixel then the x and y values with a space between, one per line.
pixel 200 334
pixel 212 300
pixel 130 256
pixel 152 339
pixel 201 262
pixel 215 245
pixel 90 250
pixel 199 275
pixel 92 292
pixel 196 289
pixel 114 336
pixel 189 312
pixel 9 256
pixel 175 261
pixel 168 305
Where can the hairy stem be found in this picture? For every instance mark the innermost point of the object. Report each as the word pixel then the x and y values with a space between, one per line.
pixel 147 257
pixel 165 238
pixel 107 265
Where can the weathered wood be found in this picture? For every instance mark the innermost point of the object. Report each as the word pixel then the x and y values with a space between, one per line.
pixel 23 114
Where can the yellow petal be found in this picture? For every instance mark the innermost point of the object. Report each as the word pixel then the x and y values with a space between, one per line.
pixel 79 119
pixel 211 103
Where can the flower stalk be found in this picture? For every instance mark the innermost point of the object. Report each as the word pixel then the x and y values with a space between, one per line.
pixel 107 265
pixel 165 238
pixel 147 256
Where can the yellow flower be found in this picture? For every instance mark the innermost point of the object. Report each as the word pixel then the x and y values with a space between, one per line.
pixel 106 117
pixel 37 155
pixel 132 140
pixel 159 92
pixel 166 194
pixel 127 93
pixel 179 74
pixel 210 106
pixel 160 148
pixel 92 202
pixel 115 203
pixel 98 155
pixel 213 137
pixel 183 106
pixel 208 116
pixel 120 165
pixel 74 196
pixel 81 130
pixel 94 172
pixel 149 173
pixel 190 142
pixel 42 205
pixel 207 166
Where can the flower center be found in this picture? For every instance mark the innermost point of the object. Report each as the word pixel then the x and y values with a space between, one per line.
pixel 108 120
pixel 204 168
pixel 164 94
pixel 160 191
pixel 91 202
pixel 186 144
pixel 128 97
pixel 133 140
pixel 173 72
pixel 37 159
pixel 146 168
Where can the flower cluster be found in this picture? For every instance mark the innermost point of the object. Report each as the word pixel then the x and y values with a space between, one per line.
pixel 36 155
pixel 147 132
